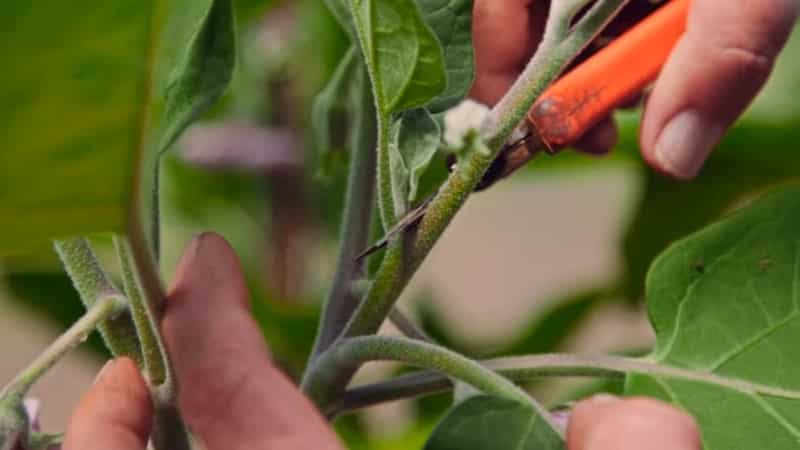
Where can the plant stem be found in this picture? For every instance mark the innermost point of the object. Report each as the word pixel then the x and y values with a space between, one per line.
pixel 354 352
pixel 407 326
pixel 92 284
pixel 102 309
pixel 359 201
pixel 155 213
pixel 546 65
pixel 399 265
pixel 152 348
pixel 529 368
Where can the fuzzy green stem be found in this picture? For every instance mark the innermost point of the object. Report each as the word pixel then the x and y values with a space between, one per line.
pixel 546 65
pixel 354 352
pixel 399 265
pixel 92 283
pixel 524 369
pixel 102 309
pixel 150 341
pixel 342 299
pixel 407 326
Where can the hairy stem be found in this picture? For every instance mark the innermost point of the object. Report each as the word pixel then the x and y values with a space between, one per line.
pixel 92 284
pixel 102 309
pixel 342 299
pixel 407 326
pixel 354 352
pixel 399 265
pixel 525 369
pixel 152 347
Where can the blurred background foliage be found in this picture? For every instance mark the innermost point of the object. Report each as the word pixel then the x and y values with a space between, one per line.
pixel 250 172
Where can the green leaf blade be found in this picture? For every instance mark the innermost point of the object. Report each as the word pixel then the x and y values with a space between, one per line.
pixel 483 422
pixel 451 21
pixel 404 56
pixel 203 75
pixel 76 115
pixel 415 139
pixel 68 113
pixel 724 302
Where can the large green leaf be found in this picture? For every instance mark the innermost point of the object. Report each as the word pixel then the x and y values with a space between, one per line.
pixel 451 20
pixel 403 55
pixel 75 102
pixel 725 303
pixel 484 422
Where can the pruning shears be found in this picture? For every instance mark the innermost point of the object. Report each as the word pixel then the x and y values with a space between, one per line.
pixel 582 97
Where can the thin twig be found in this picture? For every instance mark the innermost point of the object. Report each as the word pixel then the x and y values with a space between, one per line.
pixel 102 309
pixel 525 369
pixel 152 347
pixel 407 326
pixel 354 352
pixel 342 299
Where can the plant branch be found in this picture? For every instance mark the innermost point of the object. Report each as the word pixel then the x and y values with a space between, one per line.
pixel 544 68
pixel 92 284
pixel 342 299
pixel 102 309
pixel 153 350
pixel 525 369
pixel 399 264
pixel 354 352
pixel 407 326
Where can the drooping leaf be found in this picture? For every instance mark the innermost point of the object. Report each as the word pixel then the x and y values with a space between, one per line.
pixel 451 20
pixel 75 105
pixel 203 74
pixel 331 100
pixel 415 138
pixel 484 422
pixel 404 57
pixel 725 303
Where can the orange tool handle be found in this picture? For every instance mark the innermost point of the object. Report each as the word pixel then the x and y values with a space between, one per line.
pixel 591 91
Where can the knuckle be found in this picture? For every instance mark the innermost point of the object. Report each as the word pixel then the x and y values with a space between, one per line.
pixel 747 60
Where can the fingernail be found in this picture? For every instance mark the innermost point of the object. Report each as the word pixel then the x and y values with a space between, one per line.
pixel 685 143
pixel 604 399
pixel 103 371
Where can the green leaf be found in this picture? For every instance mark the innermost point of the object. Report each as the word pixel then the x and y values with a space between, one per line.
pixel 75 107
pixel 451 20
pixel 725 303
pixel 415 139
pixel 404 57
pixel 670 209
pixel 330 101
pixel 341 12
pixel 202 76
pixel 484 422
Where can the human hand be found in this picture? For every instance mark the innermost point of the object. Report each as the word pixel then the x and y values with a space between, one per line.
pixel 714 72
pixel 231 396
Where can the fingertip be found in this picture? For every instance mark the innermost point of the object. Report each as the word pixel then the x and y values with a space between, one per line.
pixel 208 265
pixel 631 424
pixel 116 412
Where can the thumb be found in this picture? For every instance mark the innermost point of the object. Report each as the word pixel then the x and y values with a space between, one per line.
pixel 716 70
pixel 230 394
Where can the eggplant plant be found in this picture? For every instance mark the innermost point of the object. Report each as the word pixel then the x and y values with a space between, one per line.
pixel 723 301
